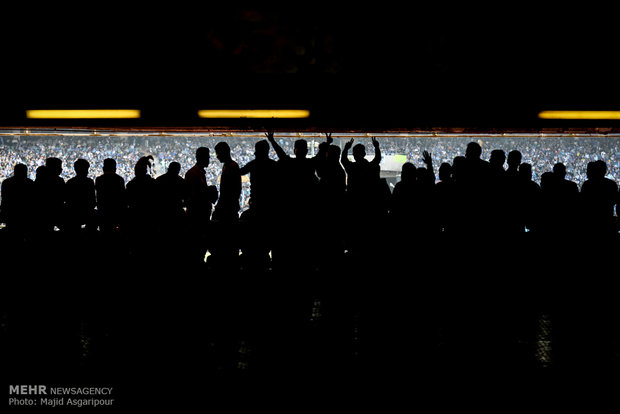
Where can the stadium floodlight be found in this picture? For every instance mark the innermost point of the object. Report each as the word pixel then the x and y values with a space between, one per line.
pixel 579 115
pixel 82 113
pixel 253 113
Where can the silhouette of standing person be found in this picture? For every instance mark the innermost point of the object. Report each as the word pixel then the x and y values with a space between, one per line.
pixel 403 203
pixel 52 195
pixel 560 199
pixel 141 204
pixel 363 194
pixel 414 212
pixel 476 172
pixel 332 177
pixel 362 227
pixel 362 175
pixel 566 187
pixel 330 202
pixel 512 185
pixel 599 195
pixel 171 193
pixel 476 169
pixel 300 175
pixel 80 198
pixel 110 197
pixel 17 195
pixel 226 213
pixel 264 184
pixel 585 337
pixel 472 179
pixel 444 191
pixel 39 175
pixel 170 189
pixel 404 214
pixel 227 207
pixel 513 160
pixel 298 198
pixel 523 307
pixel 263 181
pixel 200 199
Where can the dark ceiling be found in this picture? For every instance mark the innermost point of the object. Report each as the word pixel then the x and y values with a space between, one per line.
pixel 362 68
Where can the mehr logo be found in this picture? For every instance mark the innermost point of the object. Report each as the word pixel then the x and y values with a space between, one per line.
pixel 27 389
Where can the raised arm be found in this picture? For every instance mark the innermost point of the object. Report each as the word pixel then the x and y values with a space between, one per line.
pixel 320 159
pixel 426 157
pixel 276 147
pixel 324 147
pixel 344 157
pixel 377 158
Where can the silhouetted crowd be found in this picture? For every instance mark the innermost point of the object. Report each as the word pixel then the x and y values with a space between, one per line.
pixel 298 201
pixel 541 152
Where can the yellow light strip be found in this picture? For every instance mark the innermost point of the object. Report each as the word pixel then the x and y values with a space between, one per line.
pixel 82 113
pixel 579 114
pixel 254 113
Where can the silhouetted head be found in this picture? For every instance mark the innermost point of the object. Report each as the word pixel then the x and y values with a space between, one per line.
pixel 109 165
pixel 408 172
pixel 203 157
pixel 525 171
pixel 53 166
pixel 143 165
pixel 40 172
pixel 222 151
pixel 596 170
pixel 301 148
pixel 559 170
pixel 445 171
pixel 546 180
pixel 261 149
pixel 498 158
pixel 81 167
pixel 174 168
pixel 359 152
pixel 514 159
pixel 20 171
pixel 473 151
pixel 458 164
pixel 333 153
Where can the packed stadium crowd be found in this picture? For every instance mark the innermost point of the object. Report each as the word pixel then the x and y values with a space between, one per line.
pixel 541 153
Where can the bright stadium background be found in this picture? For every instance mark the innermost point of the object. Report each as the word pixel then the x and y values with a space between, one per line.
pixel 542 151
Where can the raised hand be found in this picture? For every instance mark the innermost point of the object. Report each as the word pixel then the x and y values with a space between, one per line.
pixel 349 144
pixel 328 136
pixel 375 143
pixel 426 157
pixel 269 135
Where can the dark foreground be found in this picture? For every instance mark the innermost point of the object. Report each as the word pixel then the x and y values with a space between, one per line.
pixel 426 320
